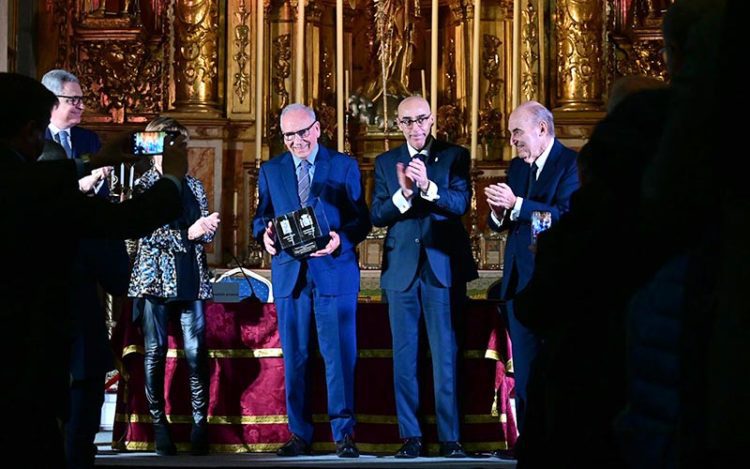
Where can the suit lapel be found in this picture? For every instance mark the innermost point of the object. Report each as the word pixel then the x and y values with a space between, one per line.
pixel 549 170
pixel 322 166
pixel 289 178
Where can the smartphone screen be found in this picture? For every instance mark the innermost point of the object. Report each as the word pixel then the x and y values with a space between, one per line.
pixel 149 143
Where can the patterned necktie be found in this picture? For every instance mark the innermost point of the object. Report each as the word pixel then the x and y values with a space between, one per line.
pixel 303 181
pixel 64 139
pixel 532 178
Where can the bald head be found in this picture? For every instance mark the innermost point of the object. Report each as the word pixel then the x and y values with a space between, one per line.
pixel 415 121
pixel 532 128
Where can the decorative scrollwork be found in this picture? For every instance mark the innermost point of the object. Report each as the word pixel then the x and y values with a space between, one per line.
pixel 242 41
pixel 196 29
pixel 490 118
pixel 121 78
pixel 530 52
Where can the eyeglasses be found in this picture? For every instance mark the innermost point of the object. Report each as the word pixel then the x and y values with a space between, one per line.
pixel 72 100
pixel 419 120
pixel 289 136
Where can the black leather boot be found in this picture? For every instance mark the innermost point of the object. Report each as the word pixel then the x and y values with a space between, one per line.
pixel 199 439
pixel 196 356
pixel 155 340
pixel 164 445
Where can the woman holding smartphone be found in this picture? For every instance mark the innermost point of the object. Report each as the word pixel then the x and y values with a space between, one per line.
pixel 169 280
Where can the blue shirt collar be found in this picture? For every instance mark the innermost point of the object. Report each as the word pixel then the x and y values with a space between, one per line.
pixel 311 158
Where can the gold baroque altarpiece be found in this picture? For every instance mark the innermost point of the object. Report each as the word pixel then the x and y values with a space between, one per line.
pixel 198 60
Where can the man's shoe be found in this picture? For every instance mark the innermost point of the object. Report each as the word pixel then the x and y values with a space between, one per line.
pixel 412 448
pixel 504 454
pixel 296 446
pixel 452 449
pixel 163 440
pixel 199 440
pixel 346 448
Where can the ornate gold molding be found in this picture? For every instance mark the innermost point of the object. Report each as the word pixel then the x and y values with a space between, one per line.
pixel 196 39
pixel 490 118
pixel 241 58
pixel 578 35
pixel 282 67
pixel 121 78
pixel 530 66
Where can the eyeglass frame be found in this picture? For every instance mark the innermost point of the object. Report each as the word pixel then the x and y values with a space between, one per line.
pixel 419 120
pixel 76 100
pixel 302 133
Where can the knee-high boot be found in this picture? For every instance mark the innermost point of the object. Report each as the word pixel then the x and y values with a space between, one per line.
pixel 193 331
pixel 155 343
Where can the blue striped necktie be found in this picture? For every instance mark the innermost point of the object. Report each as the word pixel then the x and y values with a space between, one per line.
pixel 64 140
pixel 303 181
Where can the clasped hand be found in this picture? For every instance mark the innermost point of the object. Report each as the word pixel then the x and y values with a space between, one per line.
pixel 500 197
pixel 413 174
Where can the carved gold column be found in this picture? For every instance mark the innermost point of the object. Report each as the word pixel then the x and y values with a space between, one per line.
pixel 196 43
pixel 531 50
pixel 579 54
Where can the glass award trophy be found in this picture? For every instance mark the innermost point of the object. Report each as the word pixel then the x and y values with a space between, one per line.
pixel 303 231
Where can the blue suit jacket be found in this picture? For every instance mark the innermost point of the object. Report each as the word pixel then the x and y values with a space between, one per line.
pixel 551 192
pixel 435 225
pixel 337 183
pixel 82 140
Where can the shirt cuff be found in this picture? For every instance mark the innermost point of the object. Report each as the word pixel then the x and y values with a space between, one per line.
pixel 516 209
pixel 431 193
pixel 498 222
pixel 401 202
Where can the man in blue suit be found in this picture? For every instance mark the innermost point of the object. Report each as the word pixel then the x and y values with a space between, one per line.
pixel 63 127
pixel 421 191
pixel 322 287
pixel 542 178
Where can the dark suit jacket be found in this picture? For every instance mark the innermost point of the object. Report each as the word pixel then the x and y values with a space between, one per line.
pixel 41 229
pixel 336 182
pixel 99 262
pixel 551 192
pixel 434 225
pixel 82 140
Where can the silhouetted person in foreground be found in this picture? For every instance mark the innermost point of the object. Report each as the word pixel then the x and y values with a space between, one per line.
pixel 44 216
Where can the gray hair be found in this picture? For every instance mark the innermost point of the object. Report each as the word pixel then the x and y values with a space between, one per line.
pixel 54 80
pixel 167 123
pixel 298 107
pixel 539 113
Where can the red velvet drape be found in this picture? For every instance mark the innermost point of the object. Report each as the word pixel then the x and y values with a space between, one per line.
pixel 247 409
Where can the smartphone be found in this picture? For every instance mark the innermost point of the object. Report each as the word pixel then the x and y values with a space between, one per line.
pixel 150 143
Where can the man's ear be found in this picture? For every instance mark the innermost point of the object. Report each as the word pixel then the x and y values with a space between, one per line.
pixel 543 130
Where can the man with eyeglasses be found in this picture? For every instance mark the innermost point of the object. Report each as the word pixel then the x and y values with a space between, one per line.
pixel 321 289
pixel 45 215
pixel 63 127
pixel 421 191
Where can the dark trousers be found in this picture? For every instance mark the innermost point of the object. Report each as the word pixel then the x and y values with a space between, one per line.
pixel 86 399
pixel 525 345
pixel 154 324
pixel 426 297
